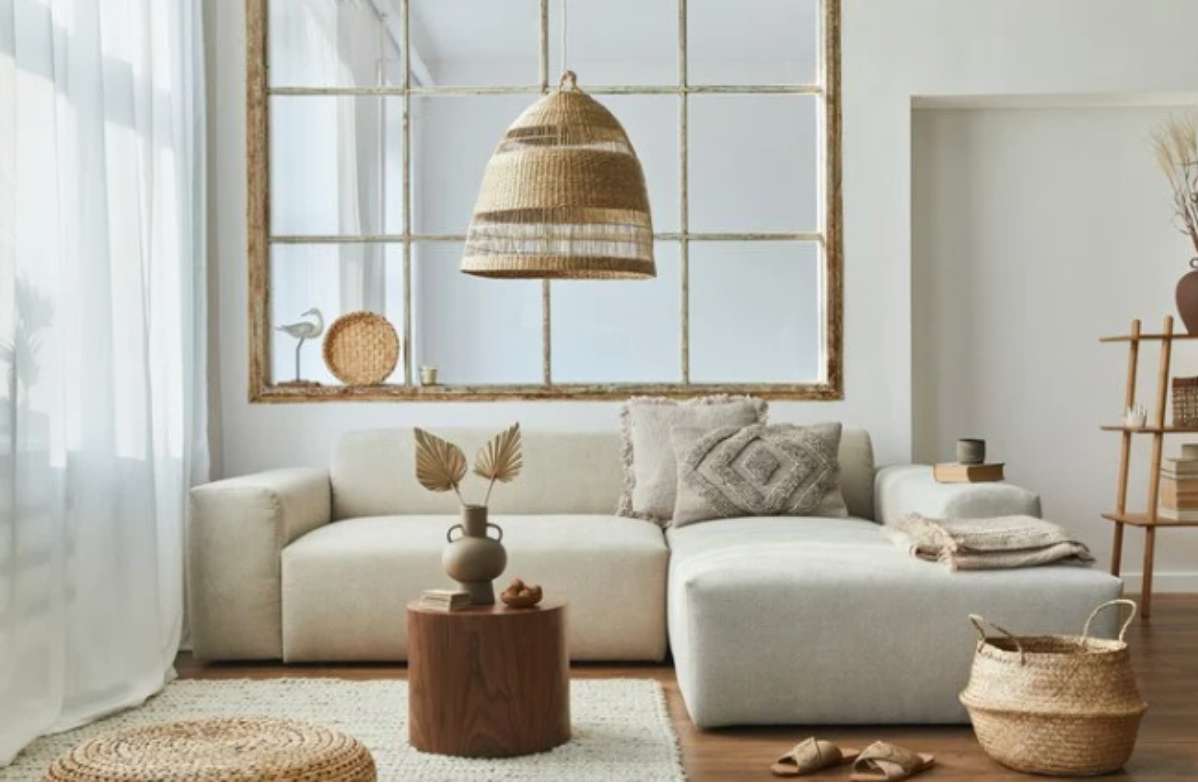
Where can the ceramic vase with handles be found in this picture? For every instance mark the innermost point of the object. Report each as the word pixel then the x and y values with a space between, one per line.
pixel 473 558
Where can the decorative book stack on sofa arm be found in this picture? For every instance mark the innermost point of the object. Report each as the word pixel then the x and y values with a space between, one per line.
pixel 770 620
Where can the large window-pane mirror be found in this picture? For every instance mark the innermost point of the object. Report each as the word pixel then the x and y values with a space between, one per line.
pixel 371 122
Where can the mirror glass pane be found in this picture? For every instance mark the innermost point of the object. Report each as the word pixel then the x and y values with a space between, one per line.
pixel 334 43
pixel 754 163
pixel 615 42
pixel 754 312
pixel 335 279
pixel 475 330
pixel 624 331
pixel 336 165
pixel 453 137
pixel 475 42
pixel 763 42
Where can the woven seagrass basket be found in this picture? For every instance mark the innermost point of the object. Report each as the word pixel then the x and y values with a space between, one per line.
pixel 1185 402
pixel 361 348
pixel 1055 705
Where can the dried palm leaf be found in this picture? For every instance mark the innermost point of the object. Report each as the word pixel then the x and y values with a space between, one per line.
pixel 501 459
pixel 440 466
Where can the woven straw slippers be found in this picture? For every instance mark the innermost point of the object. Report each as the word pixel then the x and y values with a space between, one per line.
pixel 879 762
pixel 810 756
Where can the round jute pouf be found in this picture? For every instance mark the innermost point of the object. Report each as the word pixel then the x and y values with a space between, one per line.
pixel 244 749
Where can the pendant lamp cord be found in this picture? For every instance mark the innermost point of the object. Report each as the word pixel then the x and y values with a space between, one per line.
pixel 567 74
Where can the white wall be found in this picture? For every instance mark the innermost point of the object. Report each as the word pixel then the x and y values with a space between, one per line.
pixel 1036 231
pixel 893 50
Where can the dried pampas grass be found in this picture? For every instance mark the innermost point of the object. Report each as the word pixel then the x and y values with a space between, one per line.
pixel 1176 145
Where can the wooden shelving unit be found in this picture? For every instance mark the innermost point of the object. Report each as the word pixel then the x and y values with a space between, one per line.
pixel 1147 519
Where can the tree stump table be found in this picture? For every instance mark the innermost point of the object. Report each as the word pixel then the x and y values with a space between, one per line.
pixel 488 681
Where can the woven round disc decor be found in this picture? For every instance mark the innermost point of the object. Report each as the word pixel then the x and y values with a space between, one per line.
pixel 361 348
pixel 244 749
pixel 563 196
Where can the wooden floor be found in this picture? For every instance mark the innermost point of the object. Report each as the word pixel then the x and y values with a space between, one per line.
pixel 1165 650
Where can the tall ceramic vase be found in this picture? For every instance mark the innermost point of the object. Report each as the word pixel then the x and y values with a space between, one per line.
pixel 474 559
pixel 1187 298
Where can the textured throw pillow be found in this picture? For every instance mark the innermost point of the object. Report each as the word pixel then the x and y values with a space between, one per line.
pixel 758 471
pixel 650 471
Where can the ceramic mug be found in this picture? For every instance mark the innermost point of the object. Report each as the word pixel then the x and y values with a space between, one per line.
pixel 971 451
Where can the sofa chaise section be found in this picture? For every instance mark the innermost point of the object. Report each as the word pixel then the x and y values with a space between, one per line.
pixel 827 621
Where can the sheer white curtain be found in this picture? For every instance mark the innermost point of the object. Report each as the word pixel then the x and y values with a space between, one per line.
pixel 102 351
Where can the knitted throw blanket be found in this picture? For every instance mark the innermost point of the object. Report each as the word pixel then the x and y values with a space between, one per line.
pixel 989 543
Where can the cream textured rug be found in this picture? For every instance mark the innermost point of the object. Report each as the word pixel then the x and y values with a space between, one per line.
pixel 622 731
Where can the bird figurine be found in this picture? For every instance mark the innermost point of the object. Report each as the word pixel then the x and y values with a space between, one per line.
pixel 303 330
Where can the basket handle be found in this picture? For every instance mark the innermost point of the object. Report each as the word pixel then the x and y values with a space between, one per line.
pixel 981 623
pixel 1122 631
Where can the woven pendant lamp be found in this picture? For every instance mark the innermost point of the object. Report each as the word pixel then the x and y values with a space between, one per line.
pixel 563 196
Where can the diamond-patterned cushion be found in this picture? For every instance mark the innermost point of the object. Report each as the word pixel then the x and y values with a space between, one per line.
pixel 650 471
pixel 758 471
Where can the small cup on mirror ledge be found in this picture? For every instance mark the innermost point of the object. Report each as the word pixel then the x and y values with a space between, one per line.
pixel 971 451
pixel 428 375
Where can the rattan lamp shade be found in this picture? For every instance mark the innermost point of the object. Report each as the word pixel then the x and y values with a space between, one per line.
pixel 563 196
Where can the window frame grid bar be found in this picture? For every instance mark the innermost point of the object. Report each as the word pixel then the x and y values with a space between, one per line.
pixel 406 133
pixel 684 192
pixel 546 292
pixel 531 90
pixel 349 239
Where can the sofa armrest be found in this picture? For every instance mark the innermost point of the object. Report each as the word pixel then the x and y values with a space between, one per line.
pixel 238 529
pixel 911 489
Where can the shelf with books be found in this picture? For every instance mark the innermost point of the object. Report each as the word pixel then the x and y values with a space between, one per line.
pixel 1171 485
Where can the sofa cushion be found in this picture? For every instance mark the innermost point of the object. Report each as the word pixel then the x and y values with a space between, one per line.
pixel 759 470
pixel 345 585
pixel 759 607
pixel 650 470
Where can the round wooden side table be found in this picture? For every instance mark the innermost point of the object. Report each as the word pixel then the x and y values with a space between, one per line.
pixel 488 681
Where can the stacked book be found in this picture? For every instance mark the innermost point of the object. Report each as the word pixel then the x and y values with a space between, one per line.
pixel 968 472
pixel 438 599
pixel 1179 488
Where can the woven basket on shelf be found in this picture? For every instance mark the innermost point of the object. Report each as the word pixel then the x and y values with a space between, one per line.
pixel 1185 402
pixel 1055 705
pixel 361 348
pixel 563 196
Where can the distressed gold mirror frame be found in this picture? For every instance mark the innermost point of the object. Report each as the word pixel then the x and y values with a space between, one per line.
pixel 830 235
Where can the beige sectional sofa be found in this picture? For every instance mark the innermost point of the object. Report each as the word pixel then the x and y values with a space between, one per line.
pixel 769 620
